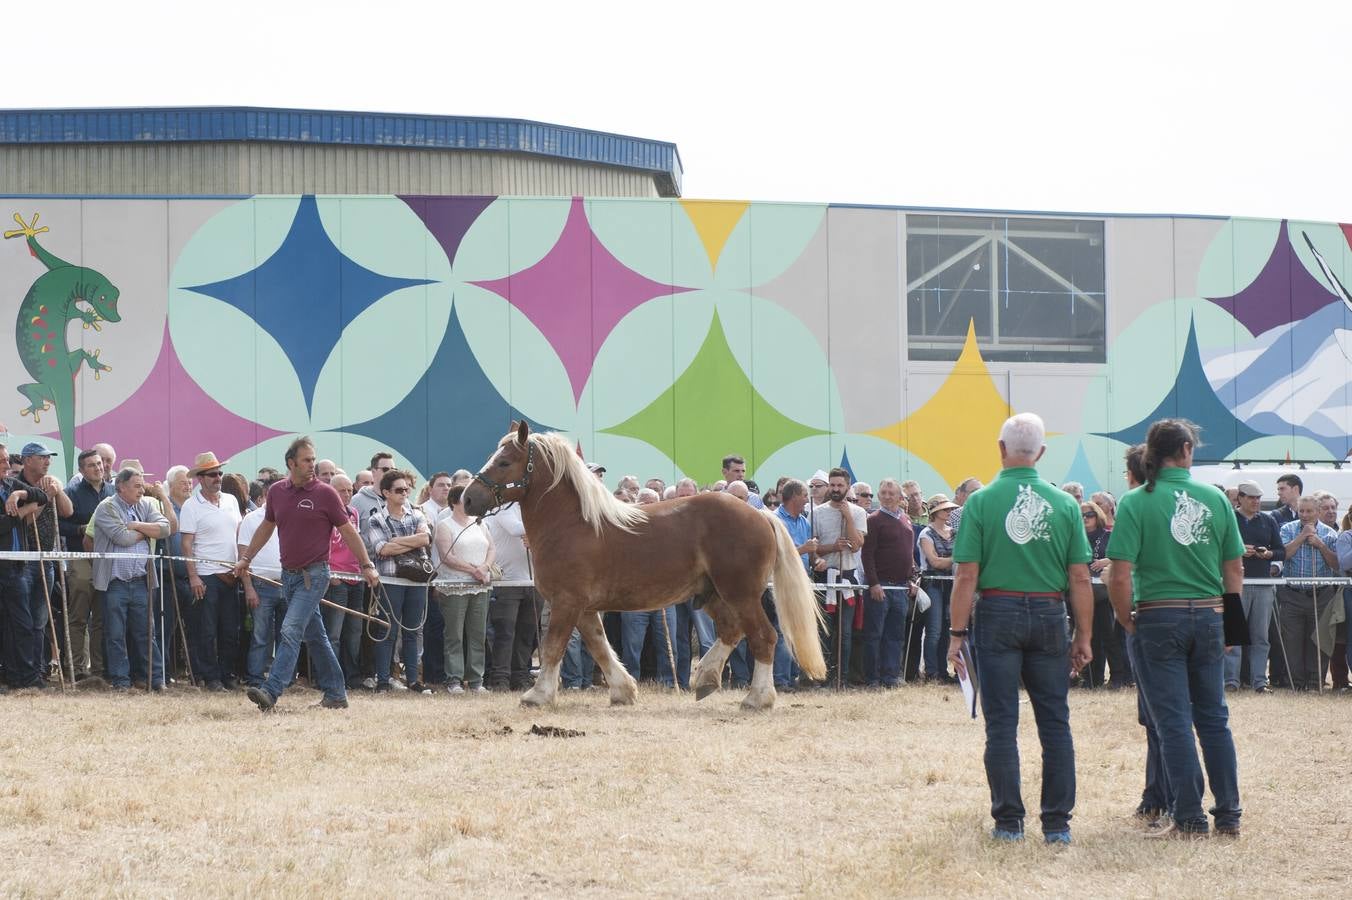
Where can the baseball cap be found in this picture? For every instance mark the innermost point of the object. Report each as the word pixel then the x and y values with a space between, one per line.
pixel 1249 488
pixel 33 448
pixel 596 468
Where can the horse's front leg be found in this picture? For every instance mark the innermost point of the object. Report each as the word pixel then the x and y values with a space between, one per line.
pixel 623 687
pixel 552 647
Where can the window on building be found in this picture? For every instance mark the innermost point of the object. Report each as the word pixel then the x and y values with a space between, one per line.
pixel 1034 288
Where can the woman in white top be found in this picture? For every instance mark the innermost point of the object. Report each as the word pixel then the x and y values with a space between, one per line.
pixel 466 555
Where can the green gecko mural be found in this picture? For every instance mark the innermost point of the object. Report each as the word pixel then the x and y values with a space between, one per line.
pixel 40 331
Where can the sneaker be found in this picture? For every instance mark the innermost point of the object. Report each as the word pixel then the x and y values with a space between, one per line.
pixel 397 685
pixel 455 688
pixel 383 687
pixel 418 687
pixel 1056 837
pixel 369 683
pixel 1167 829
pixel 262 699
pixel 230 684
pixel 1000 834
pixel 478 689
pixel 333 703
pixel 1262 690
pixel 1148 816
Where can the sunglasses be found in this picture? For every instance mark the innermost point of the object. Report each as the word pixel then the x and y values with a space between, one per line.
pixel 863 496
pixel 772 504
pixel 216 474
pixel 402 490
pixel 1089 515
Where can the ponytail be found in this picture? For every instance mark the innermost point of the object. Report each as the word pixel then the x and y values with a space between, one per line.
pixel 1167 440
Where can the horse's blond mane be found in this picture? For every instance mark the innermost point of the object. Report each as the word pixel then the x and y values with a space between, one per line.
pixel 599 506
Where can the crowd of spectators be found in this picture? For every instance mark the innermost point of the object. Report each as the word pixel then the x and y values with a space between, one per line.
pixel 882 559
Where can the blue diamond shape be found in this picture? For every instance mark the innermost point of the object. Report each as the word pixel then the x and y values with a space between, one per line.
pixel 305 294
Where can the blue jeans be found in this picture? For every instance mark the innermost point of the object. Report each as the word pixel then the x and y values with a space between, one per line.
pixel 577 663
pixel 783 662
pixel 686 617
pixel 407 603
pixel 216 624
pixel 1018 637
pixel 345 631
pixel 26 614
pixel 1182 653
pixel 125 608
pixel 1156 795
pixel 936 629
pixel 302 590
pixel 1258 600
pixel 635 626
pixel 267 623
pixel 880 643
pixel 434 646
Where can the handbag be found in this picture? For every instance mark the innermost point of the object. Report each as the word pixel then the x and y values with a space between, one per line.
pixel 414 565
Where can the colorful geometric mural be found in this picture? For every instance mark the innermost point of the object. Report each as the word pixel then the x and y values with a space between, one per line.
pixel 660 335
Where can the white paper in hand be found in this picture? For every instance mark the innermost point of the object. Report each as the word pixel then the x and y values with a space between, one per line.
pixel 965 678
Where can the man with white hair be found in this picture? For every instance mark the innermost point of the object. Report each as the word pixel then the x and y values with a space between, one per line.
pixel 1023 545
pixel 686 487
pixel 737 489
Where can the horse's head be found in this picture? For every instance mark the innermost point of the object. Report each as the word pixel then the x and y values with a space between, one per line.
pixel 505 477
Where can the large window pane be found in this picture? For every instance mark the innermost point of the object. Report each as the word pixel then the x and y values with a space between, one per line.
pixel 1033 288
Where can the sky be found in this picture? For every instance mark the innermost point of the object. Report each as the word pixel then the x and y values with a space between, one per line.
pixel 1182 107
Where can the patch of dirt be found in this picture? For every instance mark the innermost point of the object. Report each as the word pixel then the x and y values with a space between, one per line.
pixel 554 731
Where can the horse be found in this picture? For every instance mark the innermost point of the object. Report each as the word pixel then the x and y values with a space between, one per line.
pixel 593 553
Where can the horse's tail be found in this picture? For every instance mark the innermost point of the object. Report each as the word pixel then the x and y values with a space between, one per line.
pixel 800 618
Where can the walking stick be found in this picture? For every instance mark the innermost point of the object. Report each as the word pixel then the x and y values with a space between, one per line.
pixel 1318 649
pixel 65 612
pixel 840 620
pixel 46 592
pixel 1281 639
pixel 182 629
pixel 671 654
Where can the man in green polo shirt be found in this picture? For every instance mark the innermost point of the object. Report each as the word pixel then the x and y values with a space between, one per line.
pixel 1022 545
pixel 1181 540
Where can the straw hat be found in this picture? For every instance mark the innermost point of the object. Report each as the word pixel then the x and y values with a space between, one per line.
pixel 938 503
pixel 205 462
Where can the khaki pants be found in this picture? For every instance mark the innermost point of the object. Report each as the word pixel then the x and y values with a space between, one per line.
pixel 86 617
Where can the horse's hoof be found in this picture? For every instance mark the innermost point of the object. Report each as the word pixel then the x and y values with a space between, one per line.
pixel 750 705
pixel 533 702
pixel 622 699
pixel 704 690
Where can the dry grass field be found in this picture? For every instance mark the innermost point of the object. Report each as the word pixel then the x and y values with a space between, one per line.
pixel 861 794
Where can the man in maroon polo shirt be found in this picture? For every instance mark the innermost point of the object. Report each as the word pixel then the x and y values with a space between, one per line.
pixel 304 510
pixel 889 559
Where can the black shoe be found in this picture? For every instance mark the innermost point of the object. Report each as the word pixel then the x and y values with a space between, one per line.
pixel 499 686
pixel 418 687
pixel 340 703
pixel 1227 831
pixel 383 687
pixel 215 687
pixel 1262 690
pixel 262 699
pixel 230 684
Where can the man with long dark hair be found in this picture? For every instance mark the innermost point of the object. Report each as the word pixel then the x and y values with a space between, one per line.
pixel 1179 537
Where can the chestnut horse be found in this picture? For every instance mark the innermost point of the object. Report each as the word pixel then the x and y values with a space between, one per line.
pixel 593 553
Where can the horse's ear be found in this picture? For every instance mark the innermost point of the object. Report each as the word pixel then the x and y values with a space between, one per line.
pixel 522 432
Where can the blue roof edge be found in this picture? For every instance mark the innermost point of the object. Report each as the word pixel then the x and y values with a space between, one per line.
pixel 408 130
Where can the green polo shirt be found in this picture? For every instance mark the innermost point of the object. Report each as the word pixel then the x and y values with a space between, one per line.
pixel 1024 532
pixel 1176 538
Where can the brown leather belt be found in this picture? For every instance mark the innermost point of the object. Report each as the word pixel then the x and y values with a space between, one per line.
pixel 1039 595
pixel 1203 603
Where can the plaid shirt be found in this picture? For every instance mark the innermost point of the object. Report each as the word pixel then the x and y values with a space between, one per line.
pixel 382 528
pixel 1307 561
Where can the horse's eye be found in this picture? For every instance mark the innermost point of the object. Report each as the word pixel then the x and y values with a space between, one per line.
pixel 503 464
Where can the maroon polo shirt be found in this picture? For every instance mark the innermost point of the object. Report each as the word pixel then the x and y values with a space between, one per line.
pixel 305 517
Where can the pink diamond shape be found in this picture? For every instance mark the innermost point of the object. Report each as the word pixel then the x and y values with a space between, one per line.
pixel 577 294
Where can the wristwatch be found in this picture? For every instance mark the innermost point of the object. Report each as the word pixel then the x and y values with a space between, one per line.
pixel 368 565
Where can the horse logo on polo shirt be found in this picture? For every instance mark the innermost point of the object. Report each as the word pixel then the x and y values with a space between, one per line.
pixel 1028 519
pixel 1191 521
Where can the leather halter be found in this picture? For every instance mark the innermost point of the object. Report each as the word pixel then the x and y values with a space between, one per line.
pixel 498 487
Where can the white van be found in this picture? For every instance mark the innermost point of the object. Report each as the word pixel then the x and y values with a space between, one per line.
pixel 1336 478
